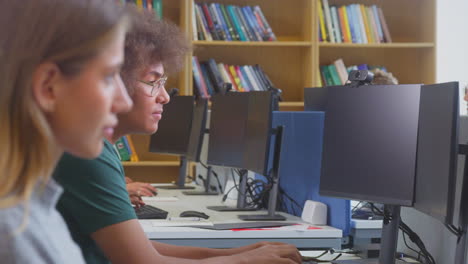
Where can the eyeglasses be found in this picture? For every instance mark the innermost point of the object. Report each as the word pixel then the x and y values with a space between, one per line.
pixel 156 85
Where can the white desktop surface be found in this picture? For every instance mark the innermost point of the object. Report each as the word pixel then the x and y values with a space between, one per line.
pixel 300 235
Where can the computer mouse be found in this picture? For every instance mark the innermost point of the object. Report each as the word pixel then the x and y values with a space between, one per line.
pixel 194 214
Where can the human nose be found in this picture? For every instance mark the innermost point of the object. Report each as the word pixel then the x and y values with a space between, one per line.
pixel 163 97
pixel 122 101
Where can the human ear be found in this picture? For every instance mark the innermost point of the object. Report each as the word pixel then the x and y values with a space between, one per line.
pixel 45 81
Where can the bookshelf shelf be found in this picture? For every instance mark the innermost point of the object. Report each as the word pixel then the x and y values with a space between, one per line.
pixel 293 62
pixel 380 45
pixel 252 43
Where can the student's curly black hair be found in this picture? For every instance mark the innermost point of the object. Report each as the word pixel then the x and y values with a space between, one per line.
pixel 149 41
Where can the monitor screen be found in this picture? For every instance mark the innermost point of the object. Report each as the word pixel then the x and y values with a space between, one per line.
pixel 197 130
pixel 315 99
pixel 240 130
pixel 370 140
pixel 173 135
pixel 436 169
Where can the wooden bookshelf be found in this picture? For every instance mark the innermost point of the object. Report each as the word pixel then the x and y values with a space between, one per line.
pixel 293 61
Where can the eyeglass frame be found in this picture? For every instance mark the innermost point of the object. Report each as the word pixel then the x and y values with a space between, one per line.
pixel 156 85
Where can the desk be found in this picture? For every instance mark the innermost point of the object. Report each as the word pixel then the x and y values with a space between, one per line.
pixel 325 237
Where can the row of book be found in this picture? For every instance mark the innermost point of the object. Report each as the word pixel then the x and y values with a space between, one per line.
pixel 230 23
pixel 209 77
pixel 337 73
pixel 353 23
pixel 155 5
pixel 125 149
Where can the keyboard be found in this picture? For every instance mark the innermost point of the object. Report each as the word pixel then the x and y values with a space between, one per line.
pixel 150 212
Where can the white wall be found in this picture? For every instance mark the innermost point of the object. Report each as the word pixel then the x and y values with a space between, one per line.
pixel 452 65
pixel 452 42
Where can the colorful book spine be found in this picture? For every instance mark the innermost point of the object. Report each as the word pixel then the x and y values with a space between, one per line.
pixel 375 11
pixel 134 156
pixel 322 24
pixel 237 24
pixel 122 150
pixel 365 23
pixel 336 24
pixel 328 21
pixel 198 78
pixel 270 35
pixel 387 36
pixel 158 8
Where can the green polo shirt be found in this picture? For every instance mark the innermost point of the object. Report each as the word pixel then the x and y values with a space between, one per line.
pixel 95 196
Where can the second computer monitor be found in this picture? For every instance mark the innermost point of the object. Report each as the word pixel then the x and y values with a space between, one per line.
pixel 370 143
pixel 240 130
pixel 436 170
pixel 181 130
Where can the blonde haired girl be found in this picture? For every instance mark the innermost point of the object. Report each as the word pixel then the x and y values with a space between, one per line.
pixel 60 90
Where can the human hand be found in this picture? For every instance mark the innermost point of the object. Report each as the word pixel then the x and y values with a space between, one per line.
pixel 141 189
pixel 271 252
pixel 136 200
pixel 128 180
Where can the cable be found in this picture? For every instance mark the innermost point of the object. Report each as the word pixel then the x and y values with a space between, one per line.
pixel 408 231
pixel 215 175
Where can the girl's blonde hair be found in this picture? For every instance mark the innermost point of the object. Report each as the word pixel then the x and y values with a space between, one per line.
pixel 66 32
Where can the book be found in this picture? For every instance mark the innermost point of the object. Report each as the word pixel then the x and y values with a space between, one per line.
pixel 334 75
pixel 343 25
pixel 217 23
pixel 236 78
pixel 134 156
pixel 230 23
pixel 206 30
pixel 375 11
pixel 373 25
pixel 268 31
pixel 122 150
pixel 209 21
pixel 158 8
pixel 354 34
pixel 360 24
pixel 199 82
pixel 386 32
pixel 369 36
pixel 223 21
pixel 215 76
pixel 253 22
pixel 237 25
pixel 326 76
pixel 328 22
pixel 209 85
pixel 341 69
pixel 241 77
pixel 322 25
pixel 336 24
pixel 244 25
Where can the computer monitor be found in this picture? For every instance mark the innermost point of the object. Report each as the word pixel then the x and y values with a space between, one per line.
pixel 315 99
pixel 436 169
pixel 240 130
pixel 369 150
pixel 240 135
pixel 180 132
pixel 370 143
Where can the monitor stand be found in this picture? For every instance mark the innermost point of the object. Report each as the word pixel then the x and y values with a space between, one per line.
pixel 241 197
pixel 388 244
pixel 207 185
pixel 180 185
pixel 272 199
pixel 461 255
